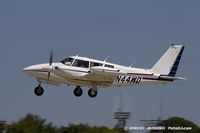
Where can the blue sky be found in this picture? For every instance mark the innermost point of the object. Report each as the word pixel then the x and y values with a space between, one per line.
pixel 128 32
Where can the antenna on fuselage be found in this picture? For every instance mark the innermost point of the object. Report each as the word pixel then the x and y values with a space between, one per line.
pixel 106 58
pixel 131 65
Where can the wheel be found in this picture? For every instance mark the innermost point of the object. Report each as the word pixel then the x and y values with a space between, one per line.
pixel 39 91
pixel 92 93
pixel 78 91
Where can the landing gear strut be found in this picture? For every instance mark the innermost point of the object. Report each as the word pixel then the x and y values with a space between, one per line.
pixel 92 92
pixel 78 91
pixel 39 90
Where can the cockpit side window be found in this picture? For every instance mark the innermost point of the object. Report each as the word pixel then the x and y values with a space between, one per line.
pixel 110 66
pixel 67 61
pixel 81 63
pixel 93 64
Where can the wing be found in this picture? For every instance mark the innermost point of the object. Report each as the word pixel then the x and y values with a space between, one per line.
pixel 102 76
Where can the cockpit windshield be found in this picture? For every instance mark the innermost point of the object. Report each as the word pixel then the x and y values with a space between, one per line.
pixel 67 61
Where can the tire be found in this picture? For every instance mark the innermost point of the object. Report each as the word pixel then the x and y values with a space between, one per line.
pixel 78 91
pixel 92 93
pixel 38 91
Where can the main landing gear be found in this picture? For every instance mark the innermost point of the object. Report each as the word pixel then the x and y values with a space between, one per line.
pixel 39 90
pixel 91 92
pixel 78 91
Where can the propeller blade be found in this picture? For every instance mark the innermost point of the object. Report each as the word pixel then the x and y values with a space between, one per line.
pixel 49 75
pixel 50 62
pixel 51 58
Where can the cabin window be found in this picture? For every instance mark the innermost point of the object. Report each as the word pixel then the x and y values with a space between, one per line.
pixel 93 64
pixel 67 61
pixel 81 63
pixel 110 66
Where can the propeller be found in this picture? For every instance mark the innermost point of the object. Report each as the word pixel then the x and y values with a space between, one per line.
pixel 50 62
pixel 51 57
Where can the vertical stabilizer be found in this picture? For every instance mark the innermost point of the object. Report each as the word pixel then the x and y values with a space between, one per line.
pixel 169 61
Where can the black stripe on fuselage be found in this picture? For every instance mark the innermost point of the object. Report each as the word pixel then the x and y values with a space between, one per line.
pixel 36 71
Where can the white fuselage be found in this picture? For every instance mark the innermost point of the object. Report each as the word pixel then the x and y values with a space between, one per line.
pixel 116 75
pixel 82 71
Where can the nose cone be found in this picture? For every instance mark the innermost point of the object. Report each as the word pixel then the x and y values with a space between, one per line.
pixel 34 68
pixel 38 71
pixel 27 68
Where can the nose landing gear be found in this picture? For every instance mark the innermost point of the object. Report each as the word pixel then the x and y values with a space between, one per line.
pixel 39 90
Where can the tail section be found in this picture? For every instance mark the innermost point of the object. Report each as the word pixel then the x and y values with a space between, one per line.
pixel 169 61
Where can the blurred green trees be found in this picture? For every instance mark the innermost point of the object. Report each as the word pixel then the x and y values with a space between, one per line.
pixel 31 124
pixel 35 124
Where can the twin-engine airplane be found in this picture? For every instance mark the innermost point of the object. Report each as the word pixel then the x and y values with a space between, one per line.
pixel 82 71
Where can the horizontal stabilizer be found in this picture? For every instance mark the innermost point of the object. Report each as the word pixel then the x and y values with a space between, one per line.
pixel 172 78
